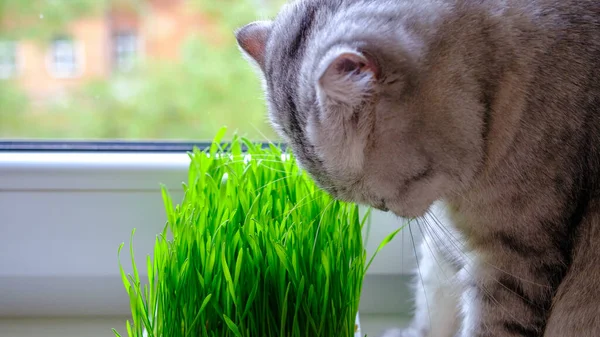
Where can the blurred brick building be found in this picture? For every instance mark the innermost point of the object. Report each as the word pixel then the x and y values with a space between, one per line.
pixel 97 46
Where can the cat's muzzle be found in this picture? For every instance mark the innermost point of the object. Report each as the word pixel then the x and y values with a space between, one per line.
pixel 381 206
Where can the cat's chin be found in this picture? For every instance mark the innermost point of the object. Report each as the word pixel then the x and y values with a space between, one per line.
pixel 416 201
pixel 408 212
pixel 403 209
pixel 412 205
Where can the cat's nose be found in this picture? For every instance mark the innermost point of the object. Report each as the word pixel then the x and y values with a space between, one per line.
pixel 381 206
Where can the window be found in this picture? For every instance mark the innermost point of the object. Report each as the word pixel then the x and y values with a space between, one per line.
pixel 125 50
pixel 64 59
pixel 78 83
pixel 8 59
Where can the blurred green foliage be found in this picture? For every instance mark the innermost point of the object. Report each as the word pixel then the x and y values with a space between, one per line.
pixel 42 19
pixel 212 85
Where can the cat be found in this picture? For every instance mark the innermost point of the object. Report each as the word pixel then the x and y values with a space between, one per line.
pixel 486 112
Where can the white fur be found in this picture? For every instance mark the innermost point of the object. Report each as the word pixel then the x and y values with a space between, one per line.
pixel 437 293
pixel 470 309
pixel 438 284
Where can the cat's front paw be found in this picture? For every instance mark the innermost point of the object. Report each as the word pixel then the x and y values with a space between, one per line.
pixel 408 332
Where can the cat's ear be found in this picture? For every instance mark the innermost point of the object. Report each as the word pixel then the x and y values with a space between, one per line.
pixel 347 77
pixel 252 39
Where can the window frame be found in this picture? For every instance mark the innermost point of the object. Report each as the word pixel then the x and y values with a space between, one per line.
pixel 98 146
pixel 111 146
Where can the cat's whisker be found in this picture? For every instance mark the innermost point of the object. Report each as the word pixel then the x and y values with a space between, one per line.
pixel 266 139
pixel 305 200
pixel 448 235
pixel 412 238
pixel 402 233
pixel 263 160
pixel 439 247
pixel 431 251
pixel 469 262
pixel 271 183
pixel 483 288
pixel 461 251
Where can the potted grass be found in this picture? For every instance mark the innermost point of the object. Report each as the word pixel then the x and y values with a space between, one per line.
pixel 254 249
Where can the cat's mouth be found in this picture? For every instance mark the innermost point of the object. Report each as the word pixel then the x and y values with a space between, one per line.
pixel 381 206
pixel 377 203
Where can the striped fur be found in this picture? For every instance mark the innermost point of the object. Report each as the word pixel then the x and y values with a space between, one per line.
pixel 491 108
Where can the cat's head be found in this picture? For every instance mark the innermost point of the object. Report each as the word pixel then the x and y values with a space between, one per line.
pixel 347 88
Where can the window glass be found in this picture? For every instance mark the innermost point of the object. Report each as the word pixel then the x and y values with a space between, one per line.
pixel 8 59
pixel 128 70
pixel 63 60
pixel 125 50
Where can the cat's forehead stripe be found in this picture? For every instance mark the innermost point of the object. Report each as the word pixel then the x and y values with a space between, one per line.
pixel 287 55
pixel 287 50
pixel 303 31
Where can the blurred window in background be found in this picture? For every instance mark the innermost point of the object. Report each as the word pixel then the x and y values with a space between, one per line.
pixel 8 59
pixel 64 58
pixel 125 50
pixel 128 70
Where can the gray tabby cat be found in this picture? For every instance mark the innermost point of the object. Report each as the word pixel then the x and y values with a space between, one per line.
pixel 490 109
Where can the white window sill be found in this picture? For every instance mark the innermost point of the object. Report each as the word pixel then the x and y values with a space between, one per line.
pixel 371 325
pixel 91 171
pixel 63 216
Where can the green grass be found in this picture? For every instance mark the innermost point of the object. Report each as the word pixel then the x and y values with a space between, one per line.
pixel 255 249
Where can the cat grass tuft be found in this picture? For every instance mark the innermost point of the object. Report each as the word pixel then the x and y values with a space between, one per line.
pixel 255 248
